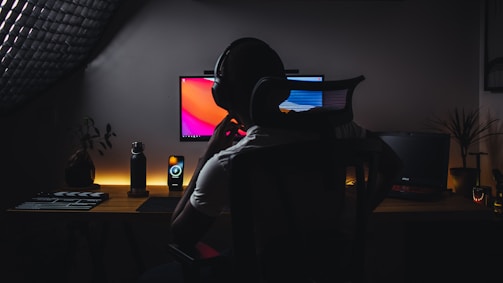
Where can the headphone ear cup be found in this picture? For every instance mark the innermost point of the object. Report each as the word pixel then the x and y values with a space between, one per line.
pixel 220 93
pixel 218 89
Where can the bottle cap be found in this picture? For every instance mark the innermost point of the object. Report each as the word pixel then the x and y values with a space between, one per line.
pixel 137 147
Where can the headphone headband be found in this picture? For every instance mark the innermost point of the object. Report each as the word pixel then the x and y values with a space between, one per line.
pixel 223 90
pixel 225 54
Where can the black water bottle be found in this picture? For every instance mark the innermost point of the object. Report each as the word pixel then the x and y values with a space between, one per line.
pixel 138 170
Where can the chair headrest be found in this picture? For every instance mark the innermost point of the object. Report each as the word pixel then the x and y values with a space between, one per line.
pixel 336 109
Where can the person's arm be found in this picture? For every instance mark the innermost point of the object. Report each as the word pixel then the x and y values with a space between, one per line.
pixel 188 225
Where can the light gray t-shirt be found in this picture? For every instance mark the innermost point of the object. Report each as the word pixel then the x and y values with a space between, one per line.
pixel 210 195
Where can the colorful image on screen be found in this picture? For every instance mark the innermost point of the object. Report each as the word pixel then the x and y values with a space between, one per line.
pixel 199 114
pixel 302 100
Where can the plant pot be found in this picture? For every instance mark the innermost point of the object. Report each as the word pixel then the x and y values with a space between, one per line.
pixel 464 179
pixel 80 170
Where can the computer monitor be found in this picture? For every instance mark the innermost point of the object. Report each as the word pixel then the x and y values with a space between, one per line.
pixel 199 114
pixel 425 156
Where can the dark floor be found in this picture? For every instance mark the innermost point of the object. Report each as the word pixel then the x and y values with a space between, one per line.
pixel 37 251
pixel 412 253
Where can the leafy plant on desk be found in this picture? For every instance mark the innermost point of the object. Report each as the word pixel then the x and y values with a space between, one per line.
pixel 80 170
pixel 467 128
pixel 89 135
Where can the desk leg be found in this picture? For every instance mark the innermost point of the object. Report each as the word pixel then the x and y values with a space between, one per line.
pixel 135 249
pixel 96 248
pixel 97 253
pixel 71 247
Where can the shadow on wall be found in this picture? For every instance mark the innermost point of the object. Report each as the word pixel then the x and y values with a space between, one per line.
pixel 35 144
pixel 126 12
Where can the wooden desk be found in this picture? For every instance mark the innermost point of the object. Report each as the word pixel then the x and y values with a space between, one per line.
pixel 393 218
pixel 449 207
pixel 120 203
pixel 118 207
pixel 448 240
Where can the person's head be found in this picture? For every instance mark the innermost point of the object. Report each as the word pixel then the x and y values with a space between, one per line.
pixel 242 64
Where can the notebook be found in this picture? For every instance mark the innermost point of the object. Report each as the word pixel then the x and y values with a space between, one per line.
pixel 63 200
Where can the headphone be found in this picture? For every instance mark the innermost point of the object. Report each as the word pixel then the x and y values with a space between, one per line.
pixel 222 90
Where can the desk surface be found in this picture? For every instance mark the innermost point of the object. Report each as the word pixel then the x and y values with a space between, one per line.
pixel 119 202
pixel 449 207
pixel 120 205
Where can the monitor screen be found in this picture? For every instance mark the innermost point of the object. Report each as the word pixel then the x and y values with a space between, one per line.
pixel 425 156
pixel 199 114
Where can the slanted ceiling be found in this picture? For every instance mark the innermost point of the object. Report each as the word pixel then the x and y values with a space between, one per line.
pixel 43 40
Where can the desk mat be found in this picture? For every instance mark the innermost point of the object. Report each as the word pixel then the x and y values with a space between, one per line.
pixel 159 204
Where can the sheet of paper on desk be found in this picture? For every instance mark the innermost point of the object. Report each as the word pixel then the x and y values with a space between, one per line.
pixel 63 201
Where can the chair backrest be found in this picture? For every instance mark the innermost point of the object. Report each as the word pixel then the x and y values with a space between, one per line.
pixel 289 203
pixel 286 212
pixel 336 109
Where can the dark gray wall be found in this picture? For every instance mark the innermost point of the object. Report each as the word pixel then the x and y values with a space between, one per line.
pixel 419 57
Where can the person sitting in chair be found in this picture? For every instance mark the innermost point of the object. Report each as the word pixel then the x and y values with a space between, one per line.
pixel 238 69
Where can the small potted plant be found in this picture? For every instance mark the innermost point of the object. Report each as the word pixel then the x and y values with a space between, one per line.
pixel 466 128
pixel 80 170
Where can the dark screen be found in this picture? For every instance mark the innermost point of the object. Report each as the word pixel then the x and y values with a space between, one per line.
pixel 425 156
